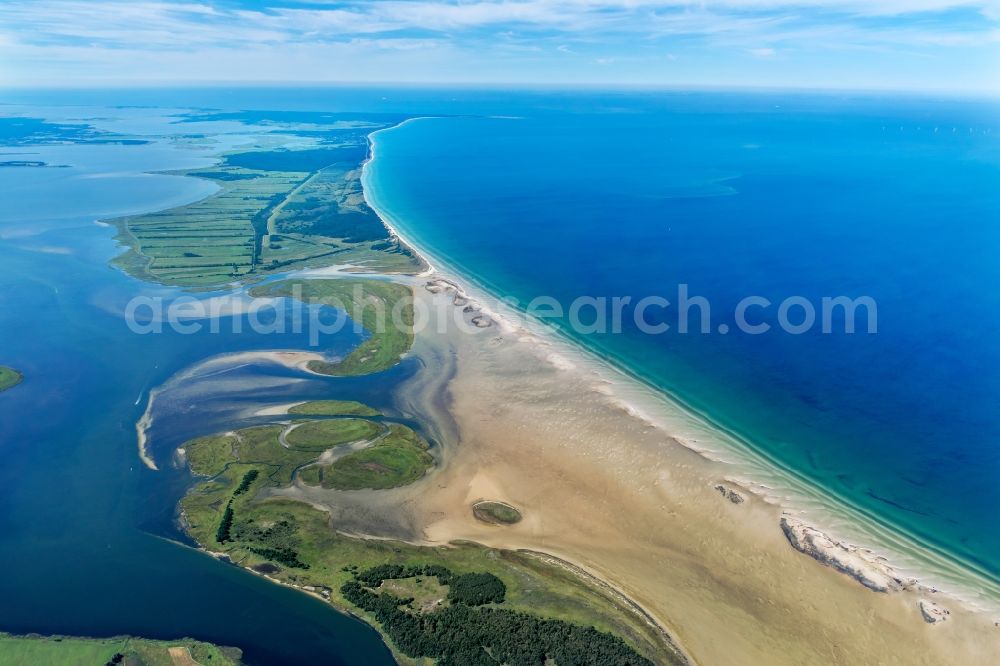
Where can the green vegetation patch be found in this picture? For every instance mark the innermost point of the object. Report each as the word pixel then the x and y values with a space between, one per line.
pixel 332 204
pixel 237 512
pixel 319 436
pixel 311 476
pixel 209 456
pixel 21 131
pixel 398 459
pixel 263 529
pixel 333 408
pixel 239 464
pixel 19 650
pixel 384 309
pixel 496 512
pixel 9 378
pixel 464 633
pixel 308 160
pixel 427 592
pixel 476 589
pixel 275 210
pixel 258 446
pixel 71 651
pixel 211 241
pixel 210 508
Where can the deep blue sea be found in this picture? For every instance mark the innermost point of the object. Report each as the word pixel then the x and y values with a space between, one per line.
pixel 529 193
pixel 758 195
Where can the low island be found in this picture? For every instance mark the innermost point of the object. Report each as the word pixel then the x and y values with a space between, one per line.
pixel 498 513
pixel 9 378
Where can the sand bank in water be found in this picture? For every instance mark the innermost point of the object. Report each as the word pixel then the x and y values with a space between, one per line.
pixel 296 360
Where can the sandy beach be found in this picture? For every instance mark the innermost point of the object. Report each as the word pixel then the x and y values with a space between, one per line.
pixel 734 576
pixel 608 484
pixel 610 492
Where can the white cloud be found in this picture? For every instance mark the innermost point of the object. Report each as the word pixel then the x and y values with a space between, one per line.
pixel 106 37
pixel 121 21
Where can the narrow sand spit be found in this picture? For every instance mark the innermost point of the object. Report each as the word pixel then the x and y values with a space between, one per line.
pixel 278 410
pixel 611 493
pixel 292 359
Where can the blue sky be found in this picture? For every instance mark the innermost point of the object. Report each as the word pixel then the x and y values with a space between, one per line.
pixel 882 44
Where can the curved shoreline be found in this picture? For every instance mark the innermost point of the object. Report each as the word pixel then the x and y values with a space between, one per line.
pixel 894 553
pixel 668 639
pixel 296 360
pixel 644 405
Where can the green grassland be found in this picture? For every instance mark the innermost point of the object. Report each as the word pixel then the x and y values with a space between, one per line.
pixel 426 591
pixel 333 408
pixel 384 309
pixel 235 513
pixel 9 378
pixel 398 459
pixel 209 242
pixel 257 447
pixel 396 456
pixel 275 210
pixel 332 204
pixel 311 476
pixel 68 651
pixel 321 435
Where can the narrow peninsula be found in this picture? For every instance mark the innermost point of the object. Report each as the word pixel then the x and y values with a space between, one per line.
pixel 261 490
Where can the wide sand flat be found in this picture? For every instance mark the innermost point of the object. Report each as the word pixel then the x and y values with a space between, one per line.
pixel 619 497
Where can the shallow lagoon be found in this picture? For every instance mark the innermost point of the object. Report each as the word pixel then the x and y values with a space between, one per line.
pixel 87 536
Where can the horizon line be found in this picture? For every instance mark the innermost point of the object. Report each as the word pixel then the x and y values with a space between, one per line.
pixel 127 84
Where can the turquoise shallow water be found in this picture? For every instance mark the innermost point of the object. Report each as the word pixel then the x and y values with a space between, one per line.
pixel 766 195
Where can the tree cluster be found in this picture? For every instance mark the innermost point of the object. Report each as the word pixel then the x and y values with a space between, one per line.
pixel 248 479
pixel 462 635
pixel 476 589
pixel 222 534
pixel 286 556
pixel 373 577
